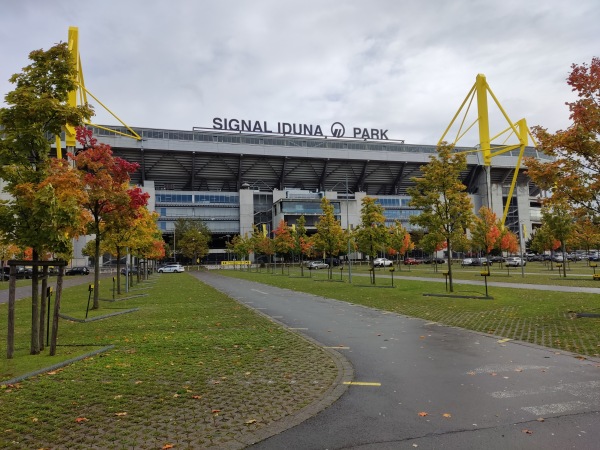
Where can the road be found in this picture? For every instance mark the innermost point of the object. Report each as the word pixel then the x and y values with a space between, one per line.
pixel 422 385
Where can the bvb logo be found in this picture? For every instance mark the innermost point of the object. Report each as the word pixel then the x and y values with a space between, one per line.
pixel 337 130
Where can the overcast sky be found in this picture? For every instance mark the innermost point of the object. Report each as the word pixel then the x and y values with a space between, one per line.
pixel 401 65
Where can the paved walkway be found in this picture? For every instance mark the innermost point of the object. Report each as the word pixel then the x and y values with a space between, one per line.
pixel 421 384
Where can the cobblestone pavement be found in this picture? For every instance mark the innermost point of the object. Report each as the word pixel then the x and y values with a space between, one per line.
pixel 181 406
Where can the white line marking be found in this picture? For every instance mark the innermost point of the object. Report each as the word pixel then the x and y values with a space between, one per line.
pixel 554 408
pixel 260 292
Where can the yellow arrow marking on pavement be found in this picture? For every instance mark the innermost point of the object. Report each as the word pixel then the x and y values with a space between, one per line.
pixel 361 383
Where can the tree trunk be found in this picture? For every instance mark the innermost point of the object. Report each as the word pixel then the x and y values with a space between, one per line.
pixel 10 336
pixel 43 306
pixel 35 309
pixel 119 270
pixel 59 284
pixel 96 274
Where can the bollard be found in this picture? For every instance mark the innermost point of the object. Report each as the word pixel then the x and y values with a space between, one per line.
pixel 90 290
pixel 392 272
pixel 485 275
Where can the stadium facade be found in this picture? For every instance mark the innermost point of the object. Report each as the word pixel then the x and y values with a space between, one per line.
pixel 239 174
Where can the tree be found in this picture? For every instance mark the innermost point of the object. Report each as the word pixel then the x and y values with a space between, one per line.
pixel 106 180
pixel 560 224
pixel 585 234
pixel 400 241
pixel 508 242
pixel 120 227
pixel 485 231
pixel 283 239
pixel 300 240
pixel 573 176
pixel 241 247
pixel 371 235
pixel 193 243
pixel 36 109
pixel 446 208
pixel 329 238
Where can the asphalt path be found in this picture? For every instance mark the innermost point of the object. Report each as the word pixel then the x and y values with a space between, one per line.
pixel 420 384
pixel 22 292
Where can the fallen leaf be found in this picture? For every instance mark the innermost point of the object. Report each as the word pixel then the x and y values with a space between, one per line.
pixel 117 397
pixel 526 431
pixel 421 337
pixel 34 419
pixel 121 414
pixel 167 446
pixel 138 382
pixel 447 415
pixel 250 421
pixel 216 411
pixel 423 414
pixel 81 419
pixel 196 397
pixel 518 370
pixel 540 419
pixel 493 374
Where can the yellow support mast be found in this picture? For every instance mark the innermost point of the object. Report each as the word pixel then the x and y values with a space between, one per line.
pixel 479 92
pixel 79 97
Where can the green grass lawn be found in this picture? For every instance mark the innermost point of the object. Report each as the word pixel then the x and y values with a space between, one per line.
pixel 191 368
pixel 542 317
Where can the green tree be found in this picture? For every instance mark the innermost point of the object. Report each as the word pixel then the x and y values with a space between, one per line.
pixel 446 208
pixel 371 235
pixel 300 239
pixel 400 241
pixel 560 224
pixel 329 239
pixel 37 109
pixel 193 243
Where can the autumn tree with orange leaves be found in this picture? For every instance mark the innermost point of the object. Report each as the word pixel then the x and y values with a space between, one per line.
pixel 400 241
pixel 573 175
pixel 106 180
pixel 35 109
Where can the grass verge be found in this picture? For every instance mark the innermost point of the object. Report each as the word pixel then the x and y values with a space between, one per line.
pixel 191 368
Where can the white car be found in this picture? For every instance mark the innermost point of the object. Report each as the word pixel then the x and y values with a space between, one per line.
pixel 382 262
pixel 514 261
pixel 317 265
pixel 171 268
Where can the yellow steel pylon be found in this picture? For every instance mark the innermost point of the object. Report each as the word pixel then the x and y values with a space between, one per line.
pixel 479 92
pixel 79 96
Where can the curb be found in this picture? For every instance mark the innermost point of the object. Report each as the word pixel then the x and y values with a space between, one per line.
pixel 335 391
pixel 56 366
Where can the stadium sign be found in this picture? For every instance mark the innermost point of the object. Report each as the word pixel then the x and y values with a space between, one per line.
pixel 337 129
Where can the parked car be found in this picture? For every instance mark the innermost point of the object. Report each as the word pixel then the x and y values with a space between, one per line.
pixel 171 268
pixel 434 261
pixel 411 261
pixel 132 270
pixel 497 259
pixel 316 265
pixel 79 270
pixel 466 262
pixel 514 261
pixel 382 262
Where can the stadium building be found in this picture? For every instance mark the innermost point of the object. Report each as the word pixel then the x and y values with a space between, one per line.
pixel 238 174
